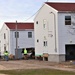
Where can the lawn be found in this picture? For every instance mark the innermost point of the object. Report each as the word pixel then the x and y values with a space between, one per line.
pixel 36 72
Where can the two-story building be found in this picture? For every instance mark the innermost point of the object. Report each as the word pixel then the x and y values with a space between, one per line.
pixel 54 27
pixel 9 40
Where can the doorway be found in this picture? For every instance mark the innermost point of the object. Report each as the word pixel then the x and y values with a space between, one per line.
pixel 70 52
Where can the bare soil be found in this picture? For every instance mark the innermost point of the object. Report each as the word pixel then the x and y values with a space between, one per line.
pixel 36 64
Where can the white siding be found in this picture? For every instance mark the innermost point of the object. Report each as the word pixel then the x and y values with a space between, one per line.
pixel 23 40
pixel 65 37
pixel 49 14
pixel 5 30
pixel 10 41
pixel 56 33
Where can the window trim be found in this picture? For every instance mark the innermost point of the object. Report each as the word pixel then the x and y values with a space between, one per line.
pixel 37 40
pixel 45 43
pixel 29 34
pixel 17 34
pixel 36 22
pixel 4 36
pixel 67 20
pixel 44 23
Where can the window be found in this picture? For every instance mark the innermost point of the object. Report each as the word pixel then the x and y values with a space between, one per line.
pixel 37 40
pixel 67 20
pixel 29 34
pixel 44 23
pixel 45 43
pixel 44 26
pixel 36 22
pixel 4 36
pixel 4 47
pixel 17 34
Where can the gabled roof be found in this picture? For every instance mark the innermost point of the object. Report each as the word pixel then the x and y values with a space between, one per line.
pixel 62 6
pixel 20 25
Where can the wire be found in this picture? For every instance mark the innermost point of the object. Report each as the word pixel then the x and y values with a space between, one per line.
pixel 34 14
pixel 31 16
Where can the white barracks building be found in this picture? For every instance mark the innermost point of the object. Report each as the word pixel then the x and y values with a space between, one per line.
pixel 25 37
pixel 54 27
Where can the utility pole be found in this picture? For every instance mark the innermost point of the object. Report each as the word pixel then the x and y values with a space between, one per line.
pixel 16 41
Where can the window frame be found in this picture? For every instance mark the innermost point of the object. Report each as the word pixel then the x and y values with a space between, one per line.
pixel 4 47
pixel 37 40
pixel 44 23
pixel 4 36
pixel 67 20
pixel 17 34
pixel 36 22
pixel 29 34
pixel 45 43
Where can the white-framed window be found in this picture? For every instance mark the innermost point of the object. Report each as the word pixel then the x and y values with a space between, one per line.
pixel 36 22
pixel 44 23
pixel 4 47
pixel 29 34
pixel 45 43
pixel 67 20
pixel 17 35
pixel 37 40
pixel 4 36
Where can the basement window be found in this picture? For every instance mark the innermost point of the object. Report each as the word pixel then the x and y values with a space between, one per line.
pixel 67 20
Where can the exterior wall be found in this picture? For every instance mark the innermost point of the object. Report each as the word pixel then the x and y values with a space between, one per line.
pixel 65 36
pixel 56 57
pixel 48 33
pixel 56 33
pixel 3 41
pixel 10 41
pixel 23 40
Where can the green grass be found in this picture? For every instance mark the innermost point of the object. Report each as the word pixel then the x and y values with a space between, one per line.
pixel 36 72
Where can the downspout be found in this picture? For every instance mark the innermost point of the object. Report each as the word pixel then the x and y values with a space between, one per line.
pixel 54 30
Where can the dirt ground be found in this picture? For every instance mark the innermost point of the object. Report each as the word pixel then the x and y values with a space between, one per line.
pixel 36 64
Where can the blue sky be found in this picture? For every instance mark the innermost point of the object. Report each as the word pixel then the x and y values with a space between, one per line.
pixel 21 10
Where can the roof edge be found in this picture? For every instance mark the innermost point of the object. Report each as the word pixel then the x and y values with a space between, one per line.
pixel 66 11
pixel 59 2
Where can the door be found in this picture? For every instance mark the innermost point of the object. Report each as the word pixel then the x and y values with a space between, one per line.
pixel 70 52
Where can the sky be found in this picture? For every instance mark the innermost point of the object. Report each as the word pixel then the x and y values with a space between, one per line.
pixel 21 10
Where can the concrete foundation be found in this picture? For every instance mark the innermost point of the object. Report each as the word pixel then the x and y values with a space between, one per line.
pixel 56 58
